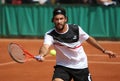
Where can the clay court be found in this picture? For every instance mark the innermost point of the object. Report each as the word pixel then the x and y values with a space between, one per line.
pixel 101 67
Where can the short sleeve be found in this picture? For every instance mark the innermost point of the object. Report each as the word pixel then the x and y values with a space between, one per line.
pixel 48 39
pixel 82 35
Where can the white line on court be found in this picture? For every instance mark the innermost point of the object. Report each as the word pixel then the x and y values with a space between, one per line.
pixel 7 63
pixel 91 62
pixel 99 62
pixel 89 55
pixel 99 55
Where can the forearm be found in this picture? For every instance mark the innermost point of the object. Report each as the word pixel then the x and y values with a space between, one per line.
pixel 43 50
pixel 94 43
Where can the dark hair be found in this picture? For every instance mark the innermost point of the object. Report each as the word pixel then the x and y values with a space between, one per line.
pixel 57 11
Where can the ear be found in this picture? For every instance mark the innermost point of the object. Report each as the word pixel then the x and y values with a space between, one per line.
pixel 66 19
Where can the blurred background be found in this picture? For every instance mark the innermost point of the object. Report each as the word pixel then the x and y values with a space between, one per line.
pixel 26 21
pixel 32 18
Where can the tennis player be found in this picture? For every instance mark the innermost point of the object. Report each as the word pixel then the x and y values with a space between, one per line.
pixel 71 59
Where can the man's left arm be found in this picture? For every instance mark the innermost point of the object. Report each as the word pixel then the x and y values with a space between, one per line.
pixel 94 43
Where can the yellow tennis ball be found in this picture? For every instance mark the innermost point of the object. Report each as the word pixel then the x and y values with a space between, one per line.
pixel 53 52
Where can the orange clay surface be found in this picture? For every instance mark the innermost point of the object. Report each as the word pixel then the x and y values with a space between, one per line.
pixel 101 67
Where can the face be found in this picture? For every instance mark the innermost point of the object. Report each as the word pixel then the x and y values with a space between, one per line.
pixel 59 21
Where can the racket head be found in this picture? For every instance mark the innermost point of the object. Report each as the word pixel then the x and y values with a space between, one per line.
pixel 16 52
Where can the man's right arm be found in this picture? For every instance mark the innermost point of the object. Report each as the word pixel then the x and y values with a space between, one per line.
pixel 42 52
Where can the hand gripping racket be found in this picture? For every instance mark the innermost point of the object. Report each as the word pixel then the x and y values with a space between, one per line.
pixel 18 54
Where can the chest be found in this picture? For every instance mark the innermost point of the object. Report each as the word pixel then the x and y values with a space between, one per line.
pixel 70 36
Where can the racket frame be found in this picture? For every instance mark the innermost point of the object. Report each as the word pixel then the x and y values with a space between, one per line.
pixel 27 54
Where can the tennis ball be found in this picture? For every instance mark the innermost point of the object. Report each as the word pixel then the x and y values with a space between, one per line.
pixel 53 52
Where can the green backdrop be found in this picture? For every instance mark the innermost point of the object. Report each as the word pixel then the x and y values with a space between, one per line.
pixel 35 20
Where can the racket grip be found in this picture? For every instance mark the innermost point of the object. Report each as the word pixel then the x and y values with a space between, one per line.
pixel 39 58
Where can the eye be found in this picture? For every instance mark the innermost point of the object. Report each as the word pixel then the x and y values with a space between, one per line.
pixel 61 18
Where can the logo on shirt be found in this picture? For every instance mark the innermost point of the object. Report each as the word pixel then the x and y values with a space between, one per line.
pixel 75 37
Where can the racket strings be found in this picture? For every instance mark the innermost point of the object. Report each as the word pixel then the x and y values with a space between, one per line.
pixel 17 53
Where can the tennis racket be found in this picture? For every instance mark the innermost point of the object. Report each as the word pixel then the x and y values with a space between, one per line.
pixel 19 54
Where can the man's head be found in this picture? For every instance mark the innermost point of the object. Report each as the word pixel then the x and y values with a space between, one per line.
pixel 59 11
pixel 59 18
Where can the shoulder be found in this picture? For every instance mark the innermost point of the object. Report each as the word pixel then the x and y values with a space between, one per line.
pixel 74 27
pixel 50 31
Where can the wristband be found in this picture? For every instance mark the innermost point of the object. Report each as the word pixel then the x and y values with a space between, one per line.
pixel 38 57
pixel 104 51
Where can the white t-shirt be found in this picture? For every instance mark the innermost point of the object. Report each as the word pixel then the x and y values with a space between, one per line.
pixel 70 52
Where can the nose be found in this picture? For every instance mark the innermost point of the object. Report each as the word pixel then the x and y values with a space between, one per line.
pixel 59 21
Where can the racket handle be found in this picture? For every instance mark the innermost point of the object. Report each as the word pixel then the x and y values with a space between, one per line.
pixel 39 58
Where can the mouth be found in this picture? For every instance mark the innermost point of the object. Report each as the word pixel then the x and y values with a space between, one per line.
pixel 59 25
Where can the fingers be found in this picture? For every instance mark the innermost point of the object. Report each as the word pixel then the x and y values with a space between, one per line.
pixel 111 54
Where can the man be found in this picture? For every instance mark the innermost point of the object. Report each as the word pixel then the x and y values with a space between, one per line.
pixel 71 60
